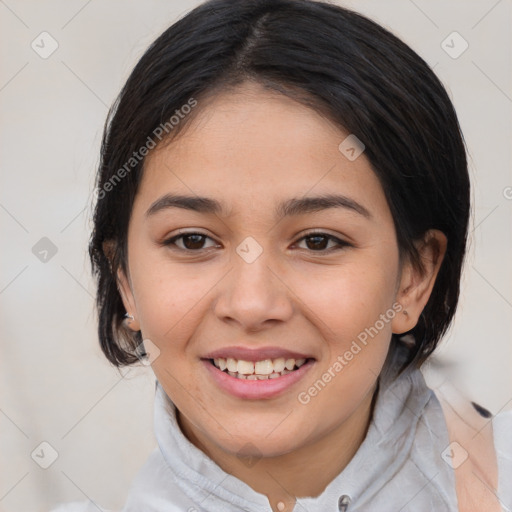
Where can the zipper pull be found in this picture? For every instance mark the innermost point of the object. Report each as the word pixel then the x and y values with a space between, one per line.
pixel 343 503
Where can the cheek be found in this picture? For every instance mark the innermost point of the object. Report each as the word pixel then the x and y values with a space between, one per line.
pixel 353 309
pixel 170 300
pixel 348 298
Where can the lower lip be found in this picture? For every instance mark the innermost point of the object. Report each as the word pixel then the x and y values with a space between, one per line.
pixel 256 389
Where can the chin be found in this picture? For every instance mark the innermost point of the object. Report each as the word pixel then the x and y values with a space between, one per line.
pixel 255 445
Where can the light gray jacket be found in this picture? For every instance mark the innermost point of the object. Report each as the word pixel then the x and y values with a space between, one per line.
pixel 400 466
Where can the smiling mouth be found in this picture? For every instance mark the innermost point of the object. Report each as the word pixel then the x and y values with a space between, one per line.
pixel 258 370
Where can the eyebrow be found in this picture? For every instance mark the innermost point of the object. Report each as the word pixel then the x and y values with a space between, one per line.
pixel 290 207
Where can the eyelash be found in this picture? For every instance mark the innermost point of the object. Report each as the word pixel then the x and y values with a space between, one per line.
pixel 341 244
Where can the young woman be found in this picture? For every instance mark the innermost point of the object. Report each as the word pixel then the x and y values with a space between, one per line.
pixel 280 227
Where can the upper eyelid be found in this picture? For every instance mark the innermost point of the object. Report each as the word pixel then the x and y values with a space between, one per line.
pixel 339 241
pixel 182 234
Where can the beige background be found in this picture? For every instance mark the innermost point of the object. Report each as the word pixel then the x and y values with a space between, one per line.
pixel 55 384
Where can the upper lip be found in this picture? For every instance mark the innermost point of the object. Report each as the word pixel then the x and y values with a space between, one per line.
pixel 252 354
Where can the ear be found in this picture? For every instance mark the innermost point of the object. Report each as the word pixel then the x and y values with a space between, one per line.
pixel 124 287
pixel 416 285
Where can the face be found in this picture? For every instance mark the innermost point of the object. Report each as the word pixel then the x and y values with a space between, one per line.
pixel 272 277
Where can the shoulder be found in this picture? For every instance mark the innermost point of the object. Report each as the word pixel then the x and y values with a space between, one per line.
pixel 480 450
pixel 155 487
pixel 79 506
pixel 502 428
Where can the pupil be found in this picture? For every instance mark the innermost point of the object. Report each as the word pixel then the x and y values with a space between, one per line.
pixel 319 237
pixel 194 244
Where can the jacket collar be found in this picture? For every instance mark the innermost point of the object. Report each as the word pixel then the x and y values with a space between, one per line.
pixel 407 423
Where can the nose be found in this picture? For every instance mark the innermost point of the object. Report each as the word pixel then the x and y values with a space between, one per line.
pixel 254 295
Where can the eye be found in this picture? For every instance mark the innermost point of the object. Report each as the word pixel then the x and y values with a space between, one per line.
pixel 193 242
pixel 317 242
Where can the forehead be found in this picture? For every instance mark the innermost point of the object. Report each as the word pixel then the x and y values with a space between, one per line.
pixel 252 149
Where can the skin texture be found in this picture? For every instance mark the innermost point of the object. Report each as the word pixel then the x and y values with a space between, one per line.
pixel 252 149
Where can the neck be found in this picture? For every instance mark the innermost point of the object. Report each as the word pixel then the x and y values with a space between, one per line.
pixel 305 472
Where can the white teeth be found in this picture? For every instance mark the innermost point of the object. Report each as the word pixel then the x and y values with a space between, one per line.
pixel 289 364
pixel 264 367
pixel 279 364
pixel 260 370
pixel 245 367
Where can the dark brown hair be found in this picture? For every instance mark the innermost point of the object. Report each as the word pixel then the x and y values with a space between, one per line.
pixel 330 58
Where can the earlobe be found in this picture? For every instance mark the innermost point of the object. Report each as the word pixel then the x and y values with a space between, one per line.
pixel 123 287
pixel 416 284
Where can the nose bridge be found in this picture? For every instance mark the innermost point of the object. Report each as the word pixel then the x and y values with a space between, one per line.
pixel 253 270
pixel 253 292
